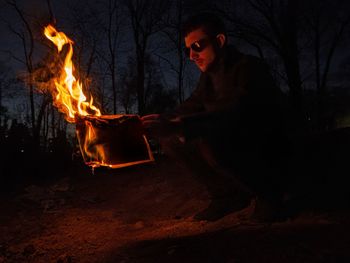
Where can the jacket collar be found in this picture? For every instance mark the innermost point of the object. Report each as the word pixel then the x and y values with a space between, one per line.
pixel 228 57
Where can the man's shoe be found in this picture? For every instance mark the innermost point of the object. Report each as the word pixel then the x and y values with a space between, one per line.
pixel 220 207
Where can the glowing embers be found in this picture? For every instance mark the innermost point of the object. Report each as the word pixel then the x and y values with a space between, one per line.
pixel 112 140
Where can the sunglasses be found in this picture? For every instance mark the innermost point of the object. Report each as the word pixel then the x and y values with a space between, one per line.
pixel 197 46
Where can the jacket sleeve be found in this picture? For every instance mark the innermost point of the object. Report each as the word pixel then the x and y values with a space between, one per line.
pixel 248 103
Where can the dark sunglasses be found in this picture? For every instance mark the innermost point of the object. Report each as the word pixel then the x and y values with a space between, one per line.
pixel 197 46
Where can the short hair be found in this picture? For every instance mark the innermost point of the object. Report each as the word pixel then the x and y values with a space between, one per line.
pixel 212 25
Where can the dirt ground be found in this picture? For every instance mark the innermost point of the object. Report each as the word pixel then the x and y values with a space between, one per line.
pixel 145 214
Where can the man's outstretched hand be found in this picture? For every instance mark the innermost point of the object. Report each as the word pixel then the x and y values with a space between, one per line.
pixel 158 126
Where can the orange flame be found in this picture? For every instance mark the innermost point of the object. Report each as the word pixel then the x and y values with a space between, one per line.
pixel 96 144
pixel 98 151
pixel 70 98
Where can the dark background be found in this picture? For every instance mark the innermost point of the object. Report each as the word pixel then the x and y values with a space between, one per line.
pixel 128 55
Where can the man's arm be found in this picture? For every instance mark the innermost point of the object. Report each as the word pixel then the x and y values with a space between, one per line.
pixel 251 103
pixel 168 124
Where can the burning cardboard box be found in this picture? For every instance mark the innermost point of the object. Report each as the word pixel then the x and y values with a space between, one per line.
pixel 113 140
pixel 105 140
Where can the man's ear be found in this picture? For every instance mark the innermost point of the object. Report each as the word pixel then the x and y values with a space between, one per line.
pixel 221 39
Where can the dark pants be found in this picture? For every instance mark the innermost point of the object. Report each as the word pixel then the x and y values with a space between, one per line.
pixel 254 167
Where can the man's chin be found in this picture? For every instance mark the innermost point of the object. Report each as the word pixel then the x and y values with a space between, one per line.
pixel 202 68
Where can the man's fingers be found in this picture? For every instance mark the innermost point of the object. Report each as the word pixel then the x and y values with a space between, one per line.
pixel 150 117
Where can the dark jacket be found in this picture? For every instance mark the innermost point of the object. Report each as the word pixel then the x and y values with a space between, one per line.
pixel 235 108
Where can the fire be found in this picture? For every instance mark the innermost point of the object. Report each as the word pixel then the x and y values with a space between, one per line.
pixel 114 141
pixel 70 98
pixel 96 134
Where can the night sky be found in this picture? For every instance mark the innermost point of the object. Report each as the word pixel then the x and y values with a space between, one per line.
pixel 70 14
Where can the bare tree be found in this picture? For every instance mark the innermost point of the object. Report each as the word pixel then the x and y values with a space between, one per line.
pixel 86 30
pixel 278 28
pixel 273 25
pixel 172 31
pixel 100 27
pixel 128 81
pixel 113 31
pixel 26 36
pixel 146 17
pixel 5 83
pixel 327 22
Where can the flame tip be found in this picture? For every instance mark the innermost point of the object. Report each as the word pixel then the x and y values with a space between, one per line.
pixel 70 98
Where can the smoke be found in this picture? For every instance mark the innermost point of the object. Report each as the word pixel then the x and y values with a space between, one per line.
pixel 43 74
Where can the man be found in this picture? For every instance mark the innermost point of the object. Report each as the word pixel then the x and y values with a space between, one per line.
pixel 231 126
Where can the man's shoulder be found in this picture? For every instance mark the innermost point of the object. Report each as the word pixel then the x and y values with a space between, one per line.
pixel 245 59
pixel 253 60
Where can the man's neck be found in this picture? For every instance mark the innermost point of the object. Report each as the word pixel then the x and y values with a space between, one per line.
pixel 218 63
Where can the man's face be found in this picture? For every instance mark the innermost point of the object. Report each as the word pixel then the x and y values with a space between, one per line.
pixel 200 49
